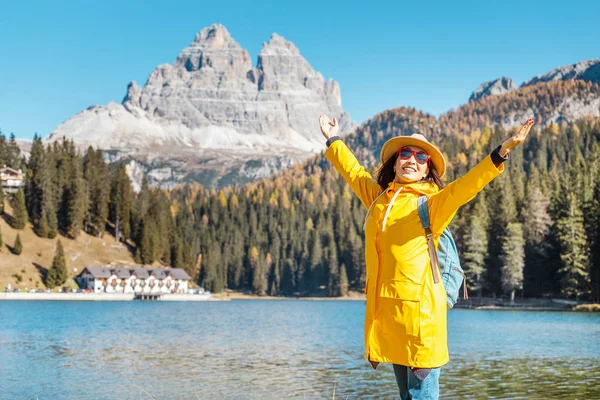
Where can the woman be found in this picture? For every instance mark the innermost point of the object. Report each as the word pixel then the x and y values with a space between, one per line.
pixel 405 320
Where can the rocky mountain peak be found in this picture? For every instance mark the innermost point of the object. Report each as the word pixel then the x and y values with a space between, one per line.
pixel 212 104
pixel 213 47
pixel 279 46
pixel 588 71
pixel 496 86
pixel 215 36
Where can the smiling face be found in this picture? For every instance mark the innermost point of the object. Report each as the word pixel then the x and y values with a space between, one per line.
pixel 408 171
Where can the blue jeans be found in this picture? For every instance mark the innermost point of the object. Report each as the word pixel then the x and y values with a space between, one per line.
pixel 412 388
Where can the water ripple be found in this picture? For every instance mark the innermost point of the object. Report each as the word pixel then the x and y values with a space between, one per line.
pixel 276 350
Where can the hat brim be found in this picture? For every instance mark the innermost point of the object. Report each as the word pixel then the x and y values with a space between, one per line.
pixel 391 146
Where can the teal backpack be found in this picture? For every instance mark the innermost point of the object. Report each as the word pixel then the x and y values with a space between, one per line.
pixel 445 259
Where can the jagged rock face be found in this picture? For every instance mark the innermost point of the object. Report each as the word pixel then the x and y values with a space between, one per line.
pixel 497 86
pixel 210 103
pixel 585 70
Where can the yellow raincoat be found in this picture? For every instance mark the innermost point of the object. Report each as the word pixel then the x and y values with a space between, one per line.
pixel 405 320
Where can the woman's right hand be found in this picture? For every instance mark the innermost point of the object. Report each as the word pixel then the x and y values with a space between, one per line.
pixel 328 128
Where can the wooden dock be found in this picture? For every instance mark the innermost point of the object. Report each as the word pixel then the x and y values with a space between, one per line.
pixel 148 296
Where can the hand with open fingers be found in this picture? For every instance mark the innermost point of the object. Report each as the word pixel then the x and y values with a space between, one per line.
pixel 328 128
pixel 517 138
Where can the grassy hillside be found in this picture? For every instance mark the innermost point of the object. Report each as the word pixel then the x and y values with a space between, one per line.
pixel 37 255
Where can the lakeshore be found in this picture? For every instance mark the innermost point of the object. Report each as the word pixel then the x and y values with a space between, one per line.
pixel 104 297
pixel 487 304
pixel 247 296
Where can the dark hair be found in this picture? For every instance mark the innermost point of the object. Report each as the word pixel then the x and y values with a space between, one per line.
pixel 386 174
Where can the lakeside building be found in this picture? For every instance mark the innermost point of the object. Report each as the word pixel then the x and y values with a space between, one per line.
pixel 111 279
pixel 11 179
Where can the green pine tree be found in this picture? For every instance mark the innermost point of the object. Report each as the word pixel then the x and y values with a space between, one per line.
pixel 19 210
pixel 333 284
pixel 594 237
pixel 13 158
pixel 50 193
pixel 95 173
pixel 574 253
pixel 147 245
pixel 57 274
pixel 539 272
pixel 2 198
pixel 74 199
pixel 34 188
pixel 475 249
pixel 18 247
pixel 513 259
pixel 41 227
pixel 120 202
pixel 51 219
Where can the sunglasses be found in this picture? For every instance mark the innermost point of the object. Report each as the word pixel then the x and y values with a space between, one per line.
pixel 405 153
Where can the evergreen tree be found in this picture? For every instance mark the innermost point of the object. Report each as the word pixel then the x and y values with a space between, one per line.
pixel 147 244
pixel 98 187
pixel 177 251
pixel 210 261
pixel 316 262
pixel 57 274
pixel 502 211
pixel 2 198
pixel 475 249
pixel 19 210
pixel 51 189
pixel 74 200
pixel 333 284
pixel 34 187
pixel 120 202
pixel 51 219
pixel 594 238
pixel 513 259
pixel 41 228
pixel 18 247
pixel 574 254
pixel 539 273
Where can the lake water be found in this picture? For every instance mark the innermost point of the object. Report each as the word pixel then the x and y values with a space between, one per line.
pixel 277 350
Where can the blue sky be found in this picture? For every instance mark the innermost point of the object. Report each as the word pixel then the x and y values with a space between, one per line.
pixel 58 58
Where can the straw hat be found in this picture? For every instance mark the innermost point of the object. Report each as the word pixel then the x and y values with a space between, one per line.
pixel 416 139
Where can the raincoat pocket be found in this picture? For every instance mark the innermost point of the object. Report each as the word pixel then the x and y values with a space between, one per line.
pixel 400 308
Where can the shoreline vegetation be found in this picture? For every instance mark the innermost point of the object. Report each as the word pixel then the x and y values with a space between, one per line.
pixel 473 303
pixel 494 304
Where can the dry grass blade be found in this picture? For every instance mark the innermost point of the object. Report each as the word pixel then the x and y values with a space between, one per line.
pixel 145 391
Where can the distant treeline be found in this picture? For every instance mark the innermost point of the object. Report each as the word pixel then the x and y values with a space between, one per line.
pixel 67 193
pixel 534 230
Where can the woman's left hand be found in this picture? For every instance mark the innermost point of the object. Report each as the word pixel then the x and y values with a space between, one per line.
pixel 517 139
pixel 328 128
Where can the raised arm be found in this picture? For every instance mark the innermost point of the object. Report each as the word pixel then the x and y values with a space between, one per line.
pixel 444 204
pixel 344 161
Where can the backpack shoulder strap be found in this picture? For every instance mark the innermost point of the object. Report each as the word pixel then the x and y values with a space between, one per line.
pixel 424 216
pixel 423 211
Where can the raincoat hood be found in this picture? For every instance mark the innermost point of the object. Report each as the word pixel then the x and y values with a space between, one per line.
pixel 417 188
